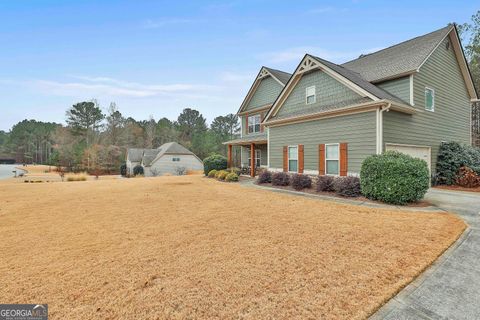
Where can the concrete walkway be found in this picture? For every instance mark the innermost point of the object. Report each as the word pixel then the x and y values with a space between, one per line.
pixel 450 288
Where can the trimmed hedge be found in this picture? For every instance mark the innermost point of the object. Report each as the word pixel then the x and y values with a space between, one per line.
pixel 138 170
pixel 280 179
pixel 394 177
pixel 301 181
pixel 212 173
pixel 216 161
pixel 451 157
pixel 231 177
pixel 325 183
pixel 264 177
pixel 347 186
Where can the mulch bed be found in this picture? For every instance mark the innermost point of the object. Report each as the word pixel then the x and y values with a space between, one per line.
pixel 419 204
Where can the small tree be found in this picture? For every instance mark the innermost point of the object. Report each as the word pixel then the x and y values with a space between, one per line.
pixel 138 170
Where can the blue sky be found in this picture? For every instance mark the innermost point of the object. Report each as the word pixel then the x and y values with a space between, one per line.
pixel 158 57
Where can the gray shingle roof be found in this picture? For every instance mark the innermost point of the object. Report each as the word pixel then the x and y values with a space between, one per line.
pixel 134 154
pixel 255 138
pixel 280 75
pixel 149 155
pixel 359 81
pixel 397 59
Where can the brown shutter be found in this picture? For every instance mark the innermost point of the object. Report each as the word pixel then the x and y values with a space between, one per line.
pixel 300 158
pixel 285 159
pixel 321 159
pixel 343 158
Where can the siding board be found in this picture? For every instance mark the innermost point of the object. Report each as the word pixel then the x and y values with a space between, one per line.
pixel 399 87
pixel 266 92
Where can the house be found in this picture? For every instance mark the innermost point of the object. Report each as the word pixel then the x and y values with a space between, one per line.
pixel 170 158
pixel 327 118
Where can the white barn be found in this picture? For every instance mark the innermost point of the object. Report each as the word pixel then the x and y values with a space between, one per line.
pixel 170 158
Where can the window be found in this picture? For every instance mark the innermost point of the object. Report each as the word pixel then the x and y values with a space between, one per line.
pixel 310 95
pixel 258 157
pixel 331 159
pixel 254 123
pixel 429 99
pixel 293 159
pixel 175 159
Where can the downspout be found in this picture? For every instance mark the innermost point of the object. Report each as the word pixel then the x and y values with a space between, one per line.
pixel 380 126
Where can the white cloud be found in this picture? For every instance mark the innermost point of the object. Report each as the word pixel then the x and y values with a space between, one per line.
pixel 297 53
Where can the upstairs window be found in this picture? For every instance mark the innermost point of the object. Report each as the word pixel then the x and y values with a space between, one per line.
pixel 331 159
pixel 254 123
pixel 310 95
pixel 293 159
pixel 429 99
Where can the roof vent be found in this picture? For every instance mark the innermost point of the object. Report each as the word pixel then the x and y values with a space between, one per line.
pixel 447 44
pixel 361 56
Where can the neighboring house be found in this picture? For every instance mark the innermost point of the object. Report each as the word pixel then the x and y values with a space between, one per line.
pixel 327 118
pixel 169 158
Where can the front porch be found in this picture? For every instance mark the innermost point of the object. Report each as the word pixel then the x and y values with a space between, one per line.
pixel 250 154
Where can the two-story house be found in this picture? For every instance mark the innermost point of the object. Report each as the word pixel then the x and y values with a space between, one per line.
pixel 327 118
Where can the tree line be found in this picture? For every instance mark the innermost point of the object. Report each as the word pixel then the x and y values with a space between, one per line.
pixel 95 141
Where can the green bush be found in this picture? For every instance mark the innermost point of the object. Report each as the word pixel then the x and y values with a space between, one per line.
pixel 394 177
pixel 231 177
pixel 138 170
pixel 216 161
pixel 451 157
pixel 123 169
pixel 212 173
pixel 220 175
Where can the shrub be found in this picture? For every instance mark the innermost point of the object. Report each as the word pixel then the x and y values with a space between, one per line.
pixel 231 177
pixel 301 181
pixel 451 157
pixel 123 170
pixel 77 177
pixel 325 183
pixel 265 176
pixel 180 171
pixel 216 161
pixel 394 177
pixel 212 173
pixel 467 178
pixel 237 171
pixel 138 170
pixel 347 186
pixel 221 174
pixel 280 179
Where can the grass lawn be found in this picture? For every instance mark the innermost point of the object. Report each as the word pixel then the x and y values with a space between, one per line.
pixel 191 247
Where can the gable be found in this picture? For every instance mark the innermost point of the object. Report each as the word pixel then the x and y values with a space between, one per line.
pixel 330 94
pixel 266 92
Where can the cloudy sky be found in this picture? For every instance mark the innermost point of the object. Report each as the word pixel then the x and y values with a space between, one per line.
pixel 158 57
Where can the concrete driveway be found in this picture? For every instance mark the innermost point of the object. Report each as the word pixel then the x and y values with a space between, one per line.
pixel 450 289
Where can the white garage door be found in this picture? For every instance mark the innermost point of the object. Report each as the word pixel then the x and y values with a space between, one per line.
pixel 421 152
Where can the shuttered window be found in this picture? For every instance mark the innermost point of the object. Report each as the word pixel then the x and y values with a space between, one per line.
pixel 429 99
pixel 332 159
pixel 293 159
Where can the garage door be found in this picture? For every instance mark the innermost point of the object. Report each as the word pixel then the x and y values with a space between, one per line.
pixel 421 152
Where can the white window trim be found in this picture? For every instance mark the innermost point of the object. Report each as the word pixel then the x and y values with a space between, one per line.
pixel 259 157
pixel 433 99
pixel 314 95
pixel 288 157
pixel 338 159
pixel 254 123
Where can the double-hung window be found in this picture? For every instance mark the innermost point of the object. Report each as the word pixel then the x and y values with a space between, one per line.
pixel 310 95
pixel 332 163
pixel 293 159
pixel 429 99
pixel 254 123
pixel 258 157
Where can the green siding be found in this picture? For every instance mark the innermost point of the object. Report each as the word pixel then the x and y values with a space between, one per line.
pixel 329 92
pixel 266 93
pixel 358 130
pixel 399 87
pixel 451 119
pixel 263 155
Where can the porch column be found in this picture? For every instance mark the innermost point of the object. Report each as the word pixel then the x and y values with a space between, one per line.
pixel 252 159
pixel 229 156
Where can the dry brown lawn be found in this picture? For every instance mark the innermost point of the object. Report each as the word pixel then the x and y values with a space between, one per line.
pixel 190 247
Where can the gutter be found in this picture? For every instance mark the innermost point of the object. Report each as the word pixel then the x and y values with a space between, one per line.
pixel 379 126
